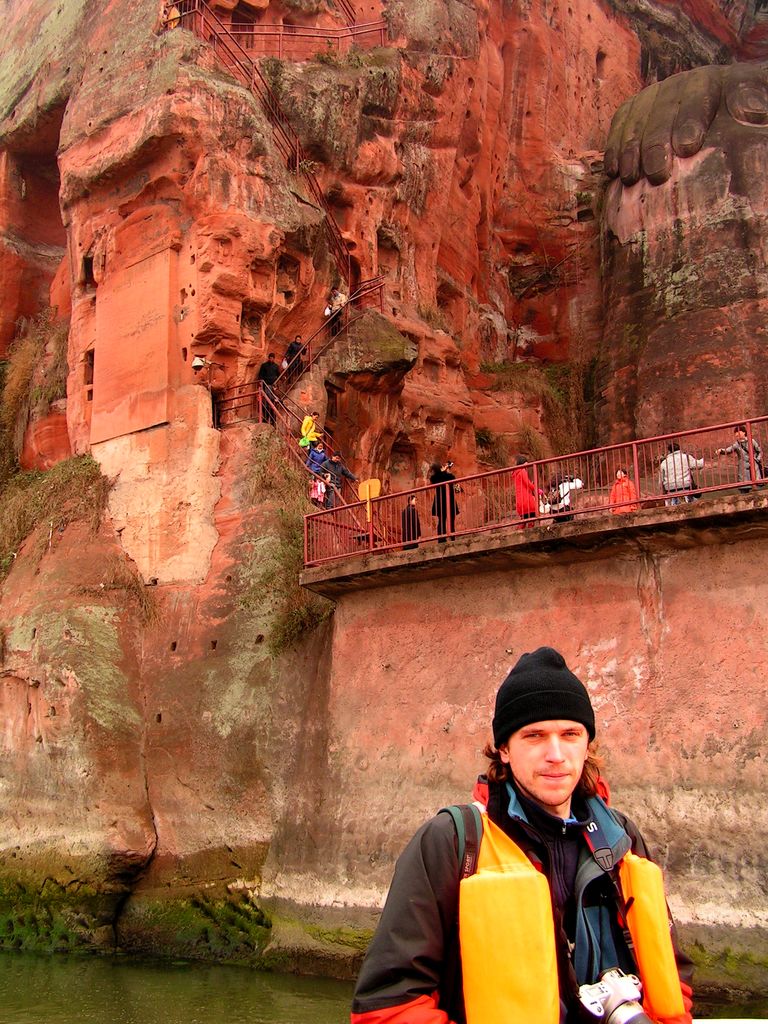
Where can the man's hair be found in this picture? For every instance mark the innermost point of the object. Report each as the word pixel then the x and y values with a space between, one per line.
pixel 270 355
pixel 741 429
pixel 315 414
pixel 297 338
pixel 520 460
pixel 497 771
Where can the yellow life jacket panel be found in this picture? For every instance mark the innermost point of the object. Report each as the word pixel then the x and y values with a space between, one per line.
pixel 507 936
pixel 642 886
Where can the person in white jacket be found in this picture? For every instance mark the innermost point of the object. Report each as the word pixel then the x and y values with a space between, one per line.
pixel 560 488
pixel 676 476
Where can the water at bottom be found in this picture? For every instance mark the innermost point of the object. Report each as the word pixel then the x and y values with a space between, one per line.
pixel 64 990
pixel 68 990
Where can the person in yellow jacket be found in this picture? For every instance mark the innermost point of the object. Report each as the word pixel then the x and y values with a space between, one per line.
pixel 310 431
pixel 544 910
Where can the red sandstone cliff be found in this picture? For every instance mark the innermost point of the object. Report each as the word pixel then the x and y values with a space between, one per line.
pixel 143 194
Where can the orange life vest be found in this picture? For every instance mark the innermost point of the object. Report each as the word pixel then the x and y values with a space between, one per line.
pixel 507 937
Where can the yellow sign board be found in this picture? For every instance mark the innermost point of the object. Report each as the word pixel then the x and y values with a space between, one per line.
pixel 366 490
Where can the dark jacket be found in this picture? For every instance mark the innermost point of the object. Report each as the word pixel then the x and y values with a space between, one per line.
pixel 269 372
pixel 293 350
pixel 337 471
pixel 411 525
pixel 444 499
pixel 414 955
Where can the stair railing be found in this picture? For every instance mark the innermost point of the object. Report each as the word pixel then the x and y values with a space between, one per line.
pixel 197 17
pixel 243 403
pixel 368 294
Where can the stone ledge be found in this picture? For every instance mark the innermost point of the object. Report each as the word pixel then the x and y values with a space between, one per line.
pixel 594 536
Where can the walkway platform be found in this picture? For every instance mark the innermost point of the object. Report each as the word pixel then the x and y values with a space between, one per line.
pixel 708 521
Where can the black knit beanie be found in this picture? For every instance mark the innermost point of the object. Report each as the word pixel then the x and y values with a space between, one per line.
pixel 540 688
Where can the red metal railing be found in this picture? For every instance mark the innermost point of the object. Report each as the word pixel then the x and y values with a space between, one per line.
pixel 197 17
pixel 368 295
pixel 487 501
pixel 348 10
pixel 294 42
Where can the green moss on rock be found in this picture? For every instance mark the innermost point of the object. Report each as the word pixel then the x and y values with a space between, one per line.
pixel 197 926
pixel 53 917
pixel 730 970
pixel 85 642
pixel 376 346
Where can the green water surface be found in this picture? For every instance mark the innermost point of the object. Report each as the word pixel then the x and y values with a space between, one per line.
pixel 65 990
pixel 71 990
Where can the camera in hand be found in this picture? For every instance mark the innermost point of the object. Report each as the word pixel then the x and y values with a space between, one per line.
pixel 615 998
pixel 449 465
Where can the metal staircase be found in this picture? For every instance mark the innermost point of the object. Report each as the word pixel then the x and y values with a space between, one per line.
pixel 369 295
pixel 197 17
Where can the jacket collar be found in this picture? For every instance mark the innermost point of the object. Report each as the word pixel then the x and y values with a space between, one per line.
pixel 605 836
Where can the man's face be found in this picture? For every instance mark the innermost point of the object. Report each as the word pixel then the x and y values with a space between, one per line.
pixel 546 759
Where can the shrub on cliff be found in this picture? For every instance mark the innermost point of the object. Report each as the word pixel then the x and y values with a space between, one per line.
pixel 35 375
pixel 565 391
pixel 72 490
pixel 271 573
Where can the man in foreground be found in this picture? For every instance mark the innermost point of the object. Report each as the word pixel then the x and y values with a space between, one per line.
pixel 560 891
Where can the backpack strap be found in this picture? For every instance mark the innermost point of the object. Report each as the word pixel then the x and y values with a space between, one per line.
pixel 469 829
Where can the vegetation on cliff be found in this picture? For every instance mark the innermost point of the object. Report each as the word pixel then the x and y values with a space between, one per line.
pixel 73 490
pixel 276 559
pixel 34 376
pixel 566 392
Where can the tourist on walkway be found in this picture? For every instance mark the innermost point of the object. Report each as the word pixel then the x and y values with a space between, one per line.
pixel 526 495
pixel 411 524
pixel 336 301
pixel 675 474
pixel 317 491
pixel 500 910
pixel 623 494
pixel 740 448
pixel 269 371
pixel 310 432
pixel 560 489
pixel 444 506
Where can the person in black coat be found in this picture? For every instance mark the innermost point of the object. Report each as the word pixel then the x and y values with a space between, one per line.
pixel 292 360
pixel 411 525
pixel 444 501
pixel 269 371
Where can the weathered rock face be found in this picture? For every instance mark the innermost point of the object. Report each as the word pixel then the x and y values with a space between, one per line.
pixel 686 286
pixel 650 624
pixel 463 168
pixel 165 774
pixel 148 737
pixel 463 165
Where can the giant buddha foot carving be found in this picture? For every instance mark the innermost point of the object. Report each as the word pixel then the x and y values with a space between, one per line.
pixel 686 237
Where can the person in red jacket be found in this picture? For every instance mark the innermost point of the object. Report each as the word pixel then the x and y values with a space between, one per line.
pixel 526 496
pixel 623 494
pixel 485 941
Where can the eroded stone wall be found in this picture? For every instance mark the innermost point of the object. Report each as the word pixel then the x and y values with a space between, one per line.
pixel 669 635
